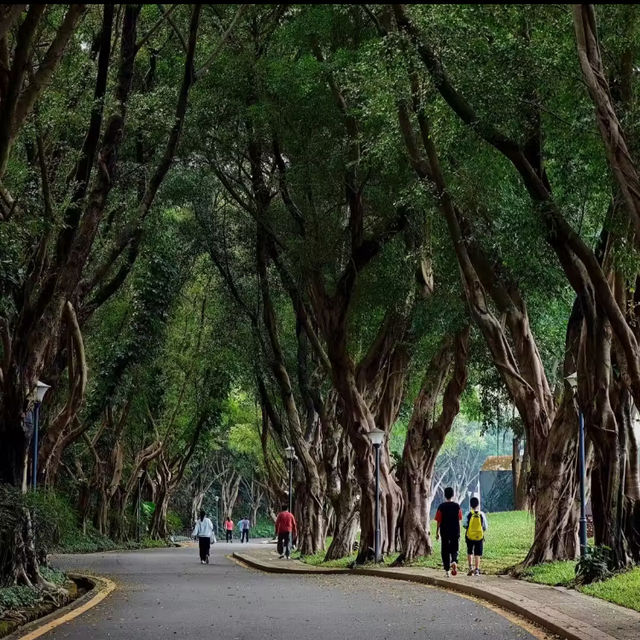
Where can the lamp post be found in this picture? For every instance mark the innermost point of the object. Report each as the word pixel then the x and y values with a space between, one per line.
pixel 216 500
pixel 376 438
pixel 572 380
pixel 138 508
pixel 41 391
pixel 290 454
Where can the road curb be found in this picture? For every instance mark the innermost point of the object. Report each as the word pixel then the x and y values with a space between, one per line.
pixel 549 619
pixel 102 587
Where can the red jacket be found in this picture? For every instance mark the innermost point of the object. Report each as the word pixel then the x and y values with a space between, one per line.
pixel 286 523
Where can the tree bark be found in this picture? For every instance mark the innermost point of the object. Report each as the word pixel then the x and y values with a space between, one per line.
pixel 425 437
pixel 341 484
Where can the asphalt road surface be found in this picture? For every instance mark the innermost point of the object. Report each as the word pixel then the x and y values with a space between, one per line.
pixel 167 593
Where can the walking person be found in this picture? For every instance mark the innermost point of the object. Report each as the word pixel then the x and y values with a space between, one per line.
pixel 475 524
pixel 286 530
pixel 203 532
pixel 228 528
pixel 448 518
pixel 244 525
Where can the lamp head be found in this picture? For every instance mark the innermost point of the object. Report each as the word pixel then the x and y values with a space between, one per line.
pixel 376 437
pixel 290 453
pixel 41 391
pixel 572 379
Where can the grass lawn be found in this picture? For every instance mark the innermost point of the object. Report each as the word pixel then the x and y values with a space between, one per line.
pixel 623 589
pixel 507 542
pixel 552 573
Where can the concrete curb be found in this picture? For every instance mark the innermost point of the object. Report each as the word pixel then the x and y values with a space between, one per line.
pixel 102 587
pixel 548 618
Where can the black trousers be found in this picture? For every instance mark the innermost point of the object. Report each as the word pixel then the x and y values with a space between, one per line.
pixel 229 535
pixel 284 544
pixel 205 546
pixel 449 549
pixel 245 535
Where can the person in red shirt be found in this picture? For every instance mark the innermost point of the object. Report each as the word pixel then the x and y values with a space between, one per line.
pixel 286 527
pixel 448 517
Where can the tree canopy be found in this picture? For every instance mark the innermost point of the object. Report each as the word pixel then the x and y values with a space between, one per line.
pixel 230 229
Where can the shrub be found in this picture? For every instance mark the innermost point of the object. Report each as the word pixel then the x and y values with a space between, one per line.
pixel 54 520
pixel 53 575
pixel 18 597
pixel 595 566
pixel 11 504
pixel 263 528
pixel 174 522
pixel 147 510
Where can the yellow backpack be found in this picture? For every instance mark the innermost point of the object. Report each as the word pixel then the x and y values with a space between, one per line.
pixel 474 530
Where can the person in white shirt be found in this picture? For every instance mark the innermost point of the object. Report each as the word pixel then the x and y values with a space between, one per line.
pixel 203 531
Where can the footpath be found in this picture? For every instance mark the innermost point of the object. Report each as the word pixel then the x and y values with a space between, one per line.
pixel 564 612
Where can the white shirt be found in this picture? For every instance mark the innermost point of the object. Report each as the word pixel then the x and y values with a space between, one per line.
pixel 203 529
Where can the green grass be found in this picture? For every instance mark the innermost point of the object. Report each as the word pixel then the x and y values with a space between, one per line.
pixel 317 559
pixel 623 589
pixel 507 542
pixel 555 574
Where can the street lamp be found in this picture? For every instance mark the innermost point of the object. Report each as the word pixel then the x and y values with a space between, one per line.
pixel 572 380
pixel 376 438
pixel 216 500
pixel 41 391
pixel 290 454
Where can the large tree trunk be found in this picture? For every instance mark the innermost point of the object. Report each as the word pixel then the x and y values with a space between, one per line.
pixel 311 524
pixel 557 509
pixel 346 518
pixel 390 502
pixel 158 529
pixel 310 516
pixel 631 522
pixel 609 428
pixel 341 486
pixel 551 438
pixel 425 437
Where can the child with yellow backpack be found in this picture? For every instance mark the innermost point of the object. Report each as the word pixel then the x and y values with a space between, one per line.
pixel 476 524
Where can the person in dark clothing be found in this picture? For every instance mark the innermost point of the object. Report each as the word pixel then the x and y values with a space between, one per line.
pixel 244 525
pixel 448 517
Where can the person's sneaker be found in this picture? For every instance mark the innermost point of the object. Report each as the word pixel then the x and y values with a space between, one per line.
pixel 476 572
pixel 288 557
pixel 454 568
pixel 470 572
pixel 201 561
pixel 281 556
pixel 447 573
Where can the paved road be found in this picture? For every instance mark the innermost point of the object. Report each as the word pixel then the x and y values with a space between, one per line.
pixel 167 593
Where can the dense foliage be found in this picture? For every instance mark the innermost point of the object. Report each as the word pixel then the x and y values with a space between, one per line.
pixel 230 229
